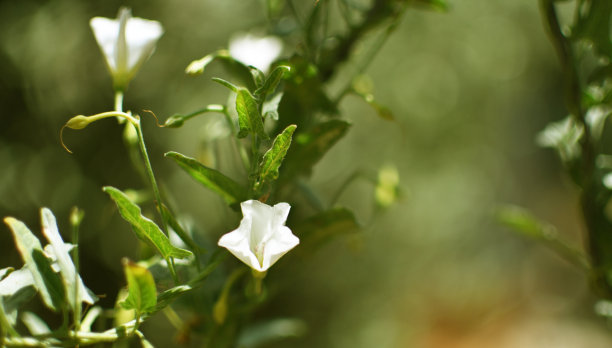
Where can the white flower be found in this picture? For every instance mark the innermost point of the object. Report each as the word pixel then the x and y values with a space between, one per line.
pixel 259 52
pixel 127 42
pixel 262 237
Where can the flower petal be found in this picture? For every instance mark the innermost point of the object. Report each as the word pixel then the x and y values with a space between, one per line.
pixel 259 52
pixel 261 216
pixel 106 31
pixel 282 241
pixel 141 36
pixel 237 242
pixel 281 212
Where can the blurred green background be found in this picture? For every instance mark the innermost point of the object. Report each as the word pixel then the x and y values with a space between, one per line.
pixel 469 88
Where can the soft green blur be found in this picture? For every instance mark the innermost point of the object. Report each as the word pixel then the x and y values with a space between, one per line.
pixel 469 89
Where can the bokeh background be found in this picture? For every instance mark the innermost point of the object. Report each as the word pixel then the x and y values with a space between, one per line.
pixel 469 88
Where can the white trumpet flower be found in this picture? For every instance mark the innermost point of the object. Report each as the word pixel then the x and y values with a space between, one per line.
pixel 259 52
pixel 262 237
pixel 127 42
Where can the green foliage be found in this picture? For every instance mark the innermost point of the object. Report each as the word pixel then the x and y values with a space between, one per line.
pixel 249 117
pixel 594 25
pixel 48 283
pixel 144 228
pixel 142 293
pixel 292 103
pixel 273 158
pixel 522 221
pixel 270 84
pixel 73 285
pixel 225 187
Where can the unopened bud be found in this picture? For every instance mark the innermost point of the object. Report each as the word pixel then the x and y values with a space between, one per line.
pixel 78 122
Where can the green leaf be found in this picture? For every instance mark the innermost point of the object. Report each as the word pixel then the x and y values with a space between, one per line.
pixel 258 76
pixel 249 118
pixel 16 281
pixel 595 26
pixel 522 221
pixel 177 120
pixel 325 226
pixel 273 158
pixel 309 147
pixel 227 188
pixel 35 325
pixel 227 84
pixel 436 5
pixel 263 334
pixel 48 283
pixel 144 228
pixel 75 289
pixel 142 293
pixel 270 106
pixel 166 297
pixel 15 290
pixel 272 81
pixel 6 322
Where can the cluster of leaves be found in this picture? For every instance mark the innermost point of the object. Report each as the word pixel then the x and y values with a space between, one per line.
pixel 283 123
pixel 584 47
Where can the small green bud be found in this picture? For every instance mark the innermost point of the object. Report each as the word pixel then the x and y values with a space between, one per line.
pixel 220 309
pixel 76 216
pixel 387 187
pixel 78 122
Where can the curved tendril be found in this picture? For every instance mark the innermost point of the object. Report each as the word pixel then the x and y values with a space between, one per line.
pixel 62 139
pixel 156 119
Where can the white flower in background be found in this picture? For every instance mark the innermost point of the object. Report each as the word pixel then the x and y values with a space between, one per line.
pixel 127 42
pixel 262 237
pixel 257 51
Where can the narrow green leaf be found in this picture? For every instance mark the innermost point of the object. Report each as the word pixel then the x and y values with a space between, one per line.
pixel 166 297
pixel 144 228
pixel 35 325
pixel 197 67
pixel 15 290
pixel 325 226
pixel 272 81
pixel 436 5
pixel 249 118
pixel 75 289
pixel 309 147
pixel 142 293
pixel 48 283
pixel 525 223
pixel 6 322
pixel 594 25
pixel 262 334
pixel 227 84
pixel 227 188
pixel 273 158
pixel 270 106
pixel 258 76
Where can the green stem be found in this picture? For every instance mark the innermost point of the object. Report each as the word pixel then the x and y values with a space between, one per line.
pixel 254 163
pixel 75 259
pixel 119 101
pixel 156 192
